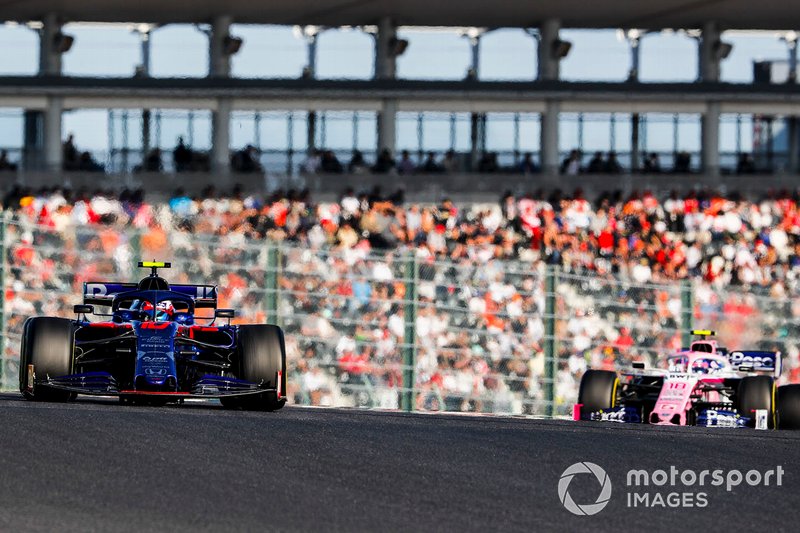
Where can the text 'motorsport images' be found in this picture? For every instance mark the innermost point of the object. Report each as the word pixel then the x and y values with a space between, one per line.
pixel 703 385
pixel 153 346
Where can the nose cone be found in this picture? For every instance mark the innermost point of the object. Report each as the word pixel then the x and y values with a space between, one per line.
pixel 161 383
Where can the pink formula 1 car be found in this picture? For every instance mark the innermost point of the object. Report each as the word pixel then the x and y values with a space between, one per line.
pixel 704 385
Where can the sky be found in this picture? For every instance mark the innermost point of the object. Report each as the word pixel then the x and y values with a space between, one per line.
pixel 276 52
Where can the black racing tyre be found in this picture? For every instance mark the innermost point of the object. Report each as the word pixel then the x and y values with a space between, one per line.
pixel 48 344
pixel 788 400
pixel 598 390
pixel 756 392
pixel 261 356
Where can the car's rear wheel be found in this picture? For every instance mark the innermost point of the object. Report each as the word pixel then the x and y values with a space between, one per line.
pixel 788 400
pixel 261 358
pixel 598 390
pixel 756 393
pixel 47 351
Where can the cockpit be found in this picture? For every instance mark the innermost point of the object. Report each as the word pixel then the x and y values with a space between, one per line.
pixel 175 308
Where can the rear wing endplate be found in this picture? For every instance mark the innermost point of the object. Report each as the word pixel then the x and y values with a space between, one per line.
pixel 756 361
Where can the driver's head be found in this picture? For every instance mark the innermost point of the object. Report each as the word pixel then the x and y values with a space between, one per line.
pixel 147 310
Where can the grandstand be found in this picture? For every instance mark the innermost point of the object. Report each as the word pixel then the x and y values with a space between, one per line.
pixel 492 308
pixel 384 101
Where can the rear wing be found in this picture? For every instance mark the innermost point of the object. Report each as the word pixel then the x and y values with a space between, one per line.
pixel 756 361
pixel 102 293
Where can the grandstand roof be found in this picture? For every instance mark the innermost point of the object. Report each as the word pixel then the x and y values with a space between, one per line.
pixel 650 14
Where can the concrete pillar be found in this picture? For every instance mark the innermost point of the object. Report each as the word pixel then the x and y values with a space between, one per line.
pixel 311 73
pixel 219 63
pixel 385 60
pixel 145 72
pixel 33 140
pixel 387 131
pixel 710 139
pixel 53 151
pixel 791 44
pixel 548 64
pixel 475 49
pixel 49 58
pixel 474 141
pixel 311 67
pixel 220 137
pixel 311 132
pixel 549 137
pixel 709 58
pixel 636 162
pixel 793 144
pixel 386 69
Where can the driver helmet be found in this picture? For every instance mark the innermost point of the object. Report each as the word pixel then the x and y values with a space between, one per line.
pixel 164 311
pixel 147 310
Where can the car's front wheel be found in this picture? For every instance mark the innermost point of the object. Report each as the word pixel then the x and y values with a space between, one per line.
pixel 788 407
pixel 756 393
pixel 598 390
pixel 47 351
pixel 261 356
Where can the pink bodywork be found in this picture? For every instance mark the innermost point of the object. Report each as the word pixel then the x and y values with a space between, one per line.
pixel 687 369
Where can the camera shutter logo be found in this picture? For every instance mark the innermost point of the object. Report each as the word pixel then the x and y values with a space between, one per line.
pixel 590 508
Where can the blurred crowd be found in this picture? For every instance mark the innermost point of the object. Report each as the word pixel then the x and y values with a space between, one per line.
pixel 477 272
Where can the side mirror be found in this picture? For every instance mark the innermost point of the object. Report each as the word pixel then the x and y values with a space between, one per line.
pixel 224 313
pixel 83 309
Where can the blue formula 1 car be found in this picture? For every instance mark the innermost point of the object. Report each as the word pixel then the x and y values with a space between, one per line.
pixel 150 349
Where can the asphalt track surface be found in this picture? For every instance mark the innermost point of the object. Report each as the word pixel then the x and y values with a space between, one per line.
pixel 99 466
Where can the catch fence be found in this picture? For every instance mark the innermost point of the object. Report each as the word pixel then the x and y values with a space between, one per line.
pixel 398 329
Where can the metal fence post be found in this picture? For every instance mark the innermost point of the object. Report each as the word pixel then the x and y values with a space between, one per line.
pixel 271 283
pixel 550 345
pixel 3 222
pixel 136 251
pixel 687 310
pixel 410 332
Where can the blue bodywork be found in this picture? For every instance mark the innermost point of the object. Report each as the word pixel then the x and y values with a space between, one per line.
pixel 155 355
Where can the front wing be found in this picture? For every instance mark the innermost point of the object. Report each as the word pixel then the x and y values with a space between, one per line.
pixel 711 417
pixel 104 384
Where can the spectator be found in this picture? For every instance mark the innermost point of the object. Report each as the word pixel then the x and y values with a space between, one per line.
pixel 72 158
pixel 357 164
pixel 527 166
pixel 246 160
pixel 152 162
pixel 384 163
pixel 745 164
pixel 651 163
pixel 597 164
pixel 571 165
pixel 488 162
pixel 430 165
pixel 87 163
pixel 612 165
pixel 683 161
pixel 182 156
pixel 406 165
pixel 450 164
pixel 5 164
pixel 313 162
pixel 330 163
